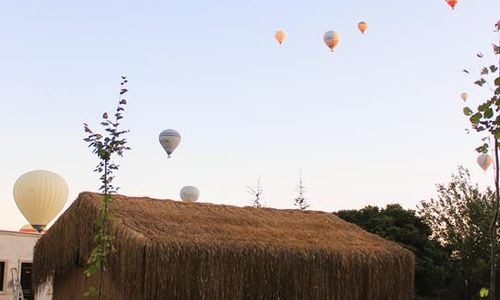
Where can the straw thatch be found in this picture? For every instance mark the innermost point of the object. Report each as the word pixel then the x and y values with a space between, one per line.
pixel 176 250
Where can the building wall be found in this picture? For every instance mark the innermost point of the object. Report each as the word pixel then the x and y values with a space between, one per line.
pixel 17 248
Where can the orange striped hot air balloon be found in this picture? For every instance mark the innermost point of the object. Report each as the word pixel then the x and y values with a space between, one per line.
pixel 362 26
pixel 280 36
pixel 452 3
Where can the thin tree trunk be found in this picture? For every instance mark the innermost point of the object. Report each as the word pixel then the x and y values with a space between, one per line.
pixel 495 218
pixel 105 212
pixel 493 229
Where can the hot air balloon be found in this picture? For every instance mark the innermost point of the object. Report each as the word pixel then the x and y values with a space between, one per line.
pixel 331 39
pixel 280 36
pixel 189 193
pixel 40 195
pixel 484 161
pixel 169 140
pixel 362 26
pixel 452 3
pixel 464 96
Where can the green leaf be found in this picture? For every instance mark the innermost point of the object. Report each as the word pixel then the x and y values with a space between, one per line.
pixel 483 107
pixel 475 118
pixel 488 113
pixel 497 81
pixel 484 292
pixel 467 111
pixel 482 149
pixel 90 292
pixel 496 49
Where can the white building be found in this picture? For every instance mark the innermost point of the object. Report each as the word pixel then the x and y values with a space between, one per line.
pixel 16 255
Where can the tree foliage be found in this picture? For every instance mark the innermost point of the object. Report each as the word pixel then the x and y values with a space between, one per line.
pixel 407 229
pixel 460 219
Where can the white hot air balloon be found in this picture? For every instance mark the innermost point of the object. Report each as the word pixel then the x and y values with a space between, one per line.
pixel 169 140
pixel 484 161
pixel 332 39
pixel 464 96
pixel 40 195
pixel 189 193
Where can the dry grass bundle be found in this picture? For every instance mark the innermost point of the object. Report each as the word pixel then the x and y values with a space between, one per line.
pixel 176 250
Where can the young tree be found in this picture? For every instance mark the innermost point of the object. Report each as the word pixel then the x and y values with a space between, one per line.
pixel 105 145
pixel 300 200
pixel 486 118
pixel 256 191
pixel 460 220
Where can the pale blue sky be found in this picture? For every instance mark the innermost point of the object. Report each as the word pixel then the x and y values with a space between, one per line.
pixel 378 121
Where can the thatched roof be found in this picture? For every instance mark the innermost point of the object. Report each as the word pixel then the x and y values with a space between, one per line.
pixel 176 250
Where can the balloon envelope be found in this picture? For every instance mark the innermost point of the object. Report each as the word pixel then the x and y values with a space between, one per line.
pixel 189 193
pixel 464 96
pixel 332 39
pixel 40 195
pixel 452 3
pixel 169 140
pixel 280 36
pixel 484 161
pixel 362 26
